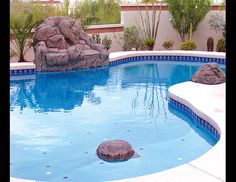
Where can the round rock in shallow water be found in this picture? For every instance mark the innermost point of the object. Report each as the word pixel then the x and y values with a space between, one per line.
pixel 115 150
pixel 210 74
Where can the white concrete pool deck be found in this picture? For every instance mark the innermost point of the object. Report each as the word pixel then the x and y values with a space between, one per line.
pixel 207 101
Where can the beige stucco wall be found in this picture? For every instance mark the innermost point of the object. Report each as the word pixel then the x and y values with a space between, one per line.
pixel 166 31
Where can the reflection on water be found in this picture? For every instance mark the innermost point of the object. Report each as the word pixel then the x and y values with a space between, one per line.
pixel 155 79
pixel 53 91
pixel 60 118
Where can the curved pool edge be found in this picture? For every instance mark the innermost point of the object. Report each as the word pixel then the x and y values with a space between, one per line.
pixel 120 55
pixel 210 166
pixel 114 57
pixel 208 102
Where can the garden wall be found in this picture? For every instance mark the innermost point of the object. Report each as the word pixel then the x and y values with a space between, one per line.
pixel 112 31
pixel 130 16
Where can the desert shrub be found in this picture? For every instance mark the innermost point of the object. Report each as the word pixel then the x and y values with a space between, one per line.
pixel 96 37
pixel 149 43
pixel 168 44
pixel 106 42
pixel 221 45
pixel 150 22
pixel 188 45
pixel 132 38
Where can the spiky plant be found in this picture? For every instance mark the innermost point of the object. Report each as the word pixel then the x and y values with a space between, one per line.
pixel 21 26
pixel 149 26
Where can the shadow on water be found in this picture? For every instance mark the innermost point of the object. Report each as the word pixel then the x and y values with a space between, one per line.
pixel 57 90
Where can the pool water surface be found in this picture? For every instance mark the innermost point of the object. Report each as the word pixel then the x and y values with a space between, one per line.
pixel 57 121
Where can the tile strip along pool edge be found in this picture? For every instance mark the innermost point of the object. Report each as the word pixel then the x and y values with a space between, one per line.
pixel 206 101
pixel 129 56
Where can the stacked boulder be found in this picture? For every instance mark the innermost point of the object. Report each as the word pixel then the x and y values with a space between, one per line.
pixel 60 44
pixel 210 74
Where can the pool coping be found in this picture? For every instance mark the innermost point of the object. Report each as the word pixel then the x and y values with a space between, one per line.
pixel 210 166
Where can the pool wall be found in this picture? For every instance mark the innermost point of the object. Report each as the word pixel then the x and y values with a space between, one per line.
pixel 211 165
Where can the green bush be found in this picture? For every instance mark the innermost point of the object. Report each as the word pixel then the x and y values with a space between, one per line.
pixel 106 42
pixel 96 38
pixel 221 45
pixel 168 44
pixel 99 11
pixel 132 38
pixel 149 43
pixel 188 45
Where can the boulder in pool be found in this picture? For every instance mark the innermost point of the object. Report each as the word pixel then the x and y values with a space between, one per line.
pixel 115 150
pixel 209 73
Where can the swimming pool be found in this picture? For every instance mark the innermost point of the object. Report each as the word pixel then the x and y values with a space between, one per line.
pixel 60 118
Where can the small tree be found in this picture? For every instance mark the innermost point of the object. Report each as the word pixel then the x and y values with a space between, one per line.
pixel 22 22
pixel 217 23
pixel 21 27
pixel 66 4
pixel 184 12
pixel 99 11
pixel 24 17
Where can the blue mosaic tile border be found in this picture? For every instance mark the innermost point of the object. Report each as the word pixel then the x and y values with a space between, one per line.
pixel 22 71
pixel 168 58
pixel 198 119
pixel 143 58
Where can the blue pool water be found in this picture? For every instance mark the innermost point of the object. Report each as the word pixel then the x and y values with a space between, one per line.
pixel 57 120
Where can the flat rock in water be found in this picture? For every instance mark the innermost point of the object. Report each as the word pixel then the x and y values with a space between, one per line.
pixel 115 150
